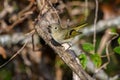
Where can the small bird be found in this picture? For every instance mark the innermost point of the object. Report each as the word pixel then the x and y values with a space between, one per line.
pixel 61 35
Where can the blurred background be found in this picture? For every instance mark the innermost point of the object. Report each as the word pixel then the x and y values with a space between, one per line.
pixel 17 18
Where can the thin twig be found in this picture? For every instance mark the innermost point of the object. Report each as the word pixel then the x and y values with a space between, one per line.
pixel 107 52
pixel 106 37
pixel 18 52
pixel 22 15
pixel 95 20
pixel 55 12
pixel 107 45
pixel 86 9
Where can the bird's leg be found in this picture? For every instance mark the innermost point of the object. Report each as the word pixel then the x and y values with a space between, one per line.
pixel 67 45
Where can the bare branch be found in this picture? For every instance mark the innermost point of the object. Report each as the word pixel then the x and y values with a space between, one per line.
pixel 102 25
pixel 42 29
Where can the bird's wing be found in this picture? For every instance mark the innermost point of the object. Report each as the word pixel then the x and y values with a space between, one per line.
pixel 72 33
pixel 79 27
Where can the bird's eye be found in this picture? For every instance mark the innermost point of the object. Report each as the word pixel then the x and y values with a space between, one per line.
pixel 55 27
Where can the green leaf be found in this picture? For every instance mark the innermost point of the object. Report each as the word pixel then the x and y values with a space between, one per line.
pixel 117 49
pixel 118 40
pixel 88 47
pixel 83 60
pixel 96 60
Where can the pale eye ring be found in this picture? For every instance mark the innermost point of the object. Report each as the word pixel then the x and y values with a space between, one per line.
pixel 55 27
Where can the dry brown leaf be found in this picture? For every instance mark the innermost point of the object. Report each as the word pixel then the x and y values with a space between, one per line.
pixel 3 52
pixel 108 11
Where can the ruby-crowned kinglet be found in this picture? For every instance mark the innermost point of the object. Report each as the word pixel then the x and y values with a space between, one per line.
pixel 61 35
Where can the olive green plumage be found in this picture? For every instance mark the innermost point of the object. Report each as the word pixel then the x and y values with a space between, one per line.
pixel 61 35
